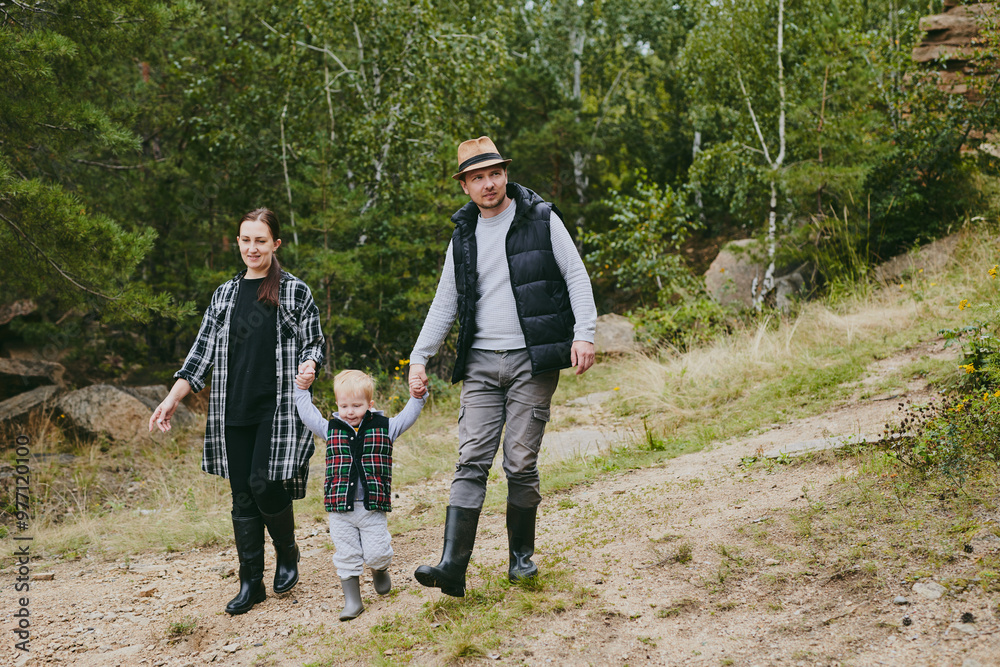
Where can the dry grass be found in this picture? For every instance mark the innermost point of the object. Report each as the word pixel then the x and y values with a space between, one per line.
pixel 782 367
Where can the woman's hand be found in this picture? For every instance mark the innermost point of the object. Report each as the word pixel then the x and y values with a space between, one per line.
pixel 162 414
pixel 165 410
pixel 307 373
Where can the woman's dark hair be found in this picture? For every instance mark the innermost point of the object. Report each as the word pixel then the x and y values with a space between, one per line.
pixel 270 287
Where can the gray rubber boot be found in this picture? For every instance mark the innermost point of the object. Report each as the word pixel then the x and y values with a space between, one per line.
pixel 381 581
pixel 352 599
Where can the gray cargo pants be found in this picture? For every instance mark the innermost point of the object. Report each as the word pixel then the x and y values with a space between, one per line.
pixel 499 389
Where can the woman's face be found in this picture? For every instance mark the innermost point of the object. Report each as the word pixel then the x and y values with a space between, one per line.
pixel 257 247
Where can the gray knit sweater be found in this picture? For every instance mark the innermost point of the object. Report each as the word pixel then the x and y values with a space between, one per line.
pixel 497 326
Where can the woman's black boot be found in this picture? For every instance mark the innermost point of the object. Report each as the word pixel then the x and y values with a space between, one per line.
pixel 281 527
pixel 459 537
pixel 521 542
pixel 249 534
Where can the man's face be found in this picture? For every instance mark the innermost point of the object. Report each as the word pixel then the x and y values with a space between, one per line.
pixel 487 187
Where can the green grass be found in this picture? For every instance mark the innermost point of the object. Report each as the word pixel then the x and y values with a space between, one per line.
pixel 452 629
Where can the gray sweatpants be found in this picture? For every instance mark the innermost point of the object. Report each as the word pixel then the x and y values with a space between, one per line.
pixel 498 389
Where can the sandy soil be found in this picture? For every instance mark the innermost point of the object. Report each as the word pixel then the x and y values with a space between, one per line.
pixel 616 536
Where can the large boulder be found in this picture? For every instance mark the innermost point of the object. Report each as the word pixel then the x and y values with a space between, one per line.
pixel 20 375
pixel 614 335
pixel 152 395
pixel 930 258
pixel 22 404
pixel 730 276
pixel 104 410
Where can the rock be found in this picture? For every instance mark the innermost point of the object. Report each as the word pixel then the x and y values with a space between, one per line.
pixel 9 311
pixel 931 590
pixel 227 570
pixel 900 600
pixel 966 628
pixel 730 276
pixel 44 576
pixel 147 592
pixel 20 375
pixel 152 395
pixel 230 648
pixel 614 335
pixel 932 258
pixel 22 404
pixel 101 409
pixel 786 287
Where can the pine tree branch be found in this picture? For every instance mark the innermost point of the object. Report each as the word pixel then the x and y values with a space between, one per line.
pixel 50 261
pixel 111 166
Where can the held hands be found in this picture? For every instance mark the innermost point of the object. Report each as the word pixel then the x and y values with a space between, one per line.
pixel 418 381
pixel 582 356
pixel 307 373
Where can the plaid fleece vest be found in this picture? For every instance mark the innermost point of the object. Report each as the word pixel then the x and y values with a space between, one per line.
pixel 353 458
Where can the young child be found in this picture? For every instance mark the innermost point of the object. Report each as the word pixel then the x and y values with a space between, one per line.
pixel 357 492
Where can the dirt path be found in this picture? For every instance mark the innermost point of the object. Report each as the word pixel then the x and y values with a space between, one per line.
pixel 751 593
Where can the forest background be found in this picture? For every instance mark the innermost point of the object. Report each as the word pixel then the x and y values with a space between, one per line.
pixel 134 135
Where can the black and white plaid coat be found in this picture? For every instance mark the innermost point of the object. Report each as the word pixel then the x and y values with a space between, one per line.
pixel 299 339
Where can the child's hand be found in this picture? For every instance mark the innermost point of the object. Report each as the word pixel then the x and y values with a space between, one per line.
pixel 307 373
pixel 418 381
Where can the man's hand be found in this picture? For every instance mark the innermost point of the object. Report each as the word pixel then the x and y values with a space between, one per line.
pixel 418 380
pixel 582 356
pixel 307 373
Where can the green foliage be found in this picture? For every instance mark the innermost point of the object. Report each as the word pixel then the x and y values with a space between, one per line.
pixel 641 252
pixel 65 112
pixel 962 431
pixel 689 323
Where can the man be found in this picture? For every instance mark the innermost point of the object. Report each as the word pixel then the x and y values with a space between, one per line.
pixel 525 308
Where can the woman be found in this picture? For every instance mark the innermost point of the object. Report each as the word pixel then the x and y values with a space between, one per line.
pixel 259 329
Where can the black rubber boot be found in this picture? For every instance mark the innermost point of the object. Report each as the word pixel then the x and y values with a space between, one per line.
pixel 249 534
pixel 352 598
pixel 459 538
pixel 521 542
pixel 281 527
pixel 381 581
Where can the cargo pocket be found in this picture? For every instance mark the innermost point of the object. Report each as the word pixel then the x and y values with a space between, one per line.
pixel 536 429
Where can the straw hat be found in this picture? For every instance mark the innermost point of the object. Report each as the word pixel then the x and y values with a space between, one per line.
pixel 477 154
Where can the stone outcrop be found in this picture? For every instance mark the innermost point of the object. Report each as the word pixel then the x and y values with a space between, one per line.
pixel 9 311
pixel 952 42
pixel 152 395
pixel 104 410
pixel 21 405
pixel 21 375
pixel 614 335
pixel 930 258
pixel 731 275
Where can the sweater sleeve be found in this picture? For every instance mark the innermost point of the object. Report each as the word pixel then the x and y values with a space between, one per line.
pixel 440 317
pixel 407 416
pixel 581 294
pixel 309 413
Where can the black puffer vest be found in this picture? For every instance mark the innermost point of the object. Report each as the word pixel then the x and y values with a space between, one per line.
pixel 540 292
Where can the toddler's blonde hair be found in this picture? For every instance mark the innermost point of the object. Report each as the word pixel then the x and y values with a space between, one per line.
pixel 354 383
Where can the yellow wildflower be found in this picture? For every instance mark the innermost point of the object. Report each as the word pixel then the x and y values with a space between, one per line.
pixel 969 368
pixel 963 304
pixel 993 271
pixel 617 388
pixel 933 284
